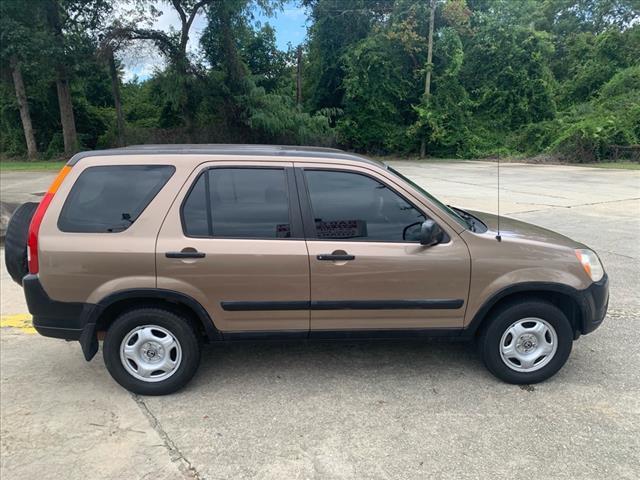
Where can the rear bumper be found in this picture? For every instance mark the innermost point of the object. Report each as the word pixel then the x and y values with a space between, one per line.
pixel 595 301
pixel 67 320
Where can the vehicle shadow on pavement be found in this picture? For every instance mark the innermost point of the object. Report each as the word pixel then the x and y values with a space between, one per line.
pixel 327 361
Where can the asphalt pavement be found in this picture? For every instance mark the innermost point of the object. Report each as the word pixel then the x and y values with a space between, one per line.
pixel 400 410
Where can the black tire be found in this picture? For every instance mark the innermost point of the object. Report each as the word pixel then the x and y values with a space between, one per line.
pixel 491 336
pixel 15 242
pixel 179 328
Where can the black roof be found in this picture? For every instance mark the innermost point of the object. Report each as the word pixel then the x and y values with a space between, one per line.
pixel 227 149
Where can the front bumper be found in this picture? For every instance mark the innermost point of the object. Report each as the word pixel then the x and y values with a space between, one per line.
pixel 594 303
pixel 67 320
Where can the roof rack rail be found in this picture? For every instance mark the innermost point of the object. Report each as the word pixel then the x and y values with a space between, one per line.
pixel 225 149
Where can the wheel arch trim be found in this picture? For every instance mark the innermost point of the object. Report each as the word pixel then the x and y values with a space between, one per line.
pixel 212 333
pixel 531 288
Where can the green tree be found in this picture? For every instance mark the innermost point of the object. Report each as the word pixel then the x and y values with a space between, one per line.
pixel 568 17
pixel 17 46
pixel 380 86
pixel 336 27
pixel 590 60
pixel 505 77
pixel 178 79
pixel 452 99
pixel 507 70
pixel 267 64
pixel 64 17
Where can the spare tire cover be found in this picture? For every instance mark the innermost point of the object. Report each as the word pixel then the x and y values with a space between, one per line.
pixel 15 243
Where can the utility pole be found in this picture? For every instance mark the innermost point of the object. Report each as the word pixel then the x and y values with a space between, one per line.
pixel 299 76
pixel 427 79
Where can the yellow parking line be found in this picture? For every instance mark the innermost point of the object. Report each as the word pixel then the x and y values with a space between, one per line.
pixel 21 321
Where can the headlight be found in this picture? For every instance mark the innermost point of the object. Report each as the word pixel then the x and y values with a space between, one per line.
pixel 591 264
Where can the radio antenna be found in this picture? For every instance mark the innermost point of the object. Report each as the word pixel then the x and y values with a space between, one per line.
pixel 498 236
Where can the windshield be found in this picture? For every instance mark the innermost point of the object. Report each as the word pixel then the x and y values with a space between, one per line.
pixel 442 206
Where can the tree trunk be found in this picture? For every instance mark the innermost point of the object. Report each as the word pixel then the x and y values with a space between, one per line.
pixel 427 79
pixel 182 63
pixel 23 105
pixel 299 76
pixel 115 86
pixel 67 119
pixel 62 82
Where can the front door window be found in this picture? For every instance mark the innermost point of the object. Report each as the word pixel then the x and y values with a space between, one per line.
pixel 351 206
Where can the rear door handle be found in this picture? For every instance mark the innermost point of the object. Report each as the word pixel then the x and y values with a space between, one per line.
pixel 335 257
pixel 185 254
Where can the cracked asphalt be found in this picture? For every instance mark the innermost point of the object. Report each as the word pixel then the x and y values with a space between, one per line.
pixel 401 410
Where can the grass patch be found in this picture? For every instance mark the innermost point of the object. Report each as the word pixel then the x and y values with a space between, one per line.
pixel 621 165
pixel 614 165
pixel 38 165
pixel 426 160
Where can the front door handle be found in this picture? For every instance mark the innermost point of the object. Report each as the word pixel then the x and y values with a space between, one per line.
pixel 335 257
pixel 185 254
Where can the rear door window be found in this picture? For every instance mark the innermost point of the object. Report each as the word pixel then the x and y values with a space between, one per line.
pixel 110 199
pixel 238 203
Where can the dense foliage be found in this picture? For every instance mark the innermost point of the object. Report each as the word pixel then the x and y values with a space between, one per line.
pixel 557 77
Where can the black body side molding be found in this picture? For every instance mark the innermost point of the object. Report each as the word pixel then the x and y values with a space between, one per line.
pixel 263 306
pixel 432 304
pixel 241 306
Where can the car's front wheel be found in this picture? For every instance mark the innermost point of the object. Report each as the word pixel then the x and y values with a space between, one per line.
pixel 526 342
pixel 151 351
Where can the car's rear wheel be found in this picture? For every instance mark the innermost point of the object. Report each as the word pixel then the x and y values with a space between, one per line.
pixel 526 342
pixel 15 242
pixel 151 351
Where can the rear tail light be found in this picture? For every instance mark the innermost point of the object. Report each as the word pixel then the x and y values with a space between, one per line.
pixel 36 220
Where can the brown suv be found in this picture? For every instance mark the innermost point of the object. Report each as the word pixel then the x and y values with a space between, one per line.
pixel 158 249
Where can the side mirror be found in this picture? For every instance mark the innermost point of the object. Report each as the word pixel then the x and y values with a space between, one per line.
pixel 430 233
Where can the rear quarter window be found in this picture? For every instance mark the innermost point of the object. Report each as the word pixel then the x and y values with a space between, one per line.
pixel 110 199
